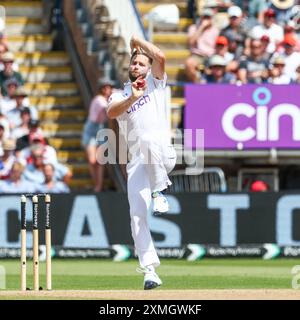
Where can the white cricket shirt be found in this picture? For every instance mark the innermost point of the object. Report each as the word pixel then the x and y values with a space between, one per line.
pixel 148 115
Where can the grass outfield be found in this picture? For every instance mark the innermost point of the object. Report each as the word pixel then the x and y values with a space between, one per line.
pixel 175 274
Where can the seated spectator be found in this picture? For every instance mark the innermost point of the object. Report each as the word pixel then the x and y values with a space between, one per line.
pixel 253 68
pixel 235 30
pixel 8 72
pixel 269 28
pixel 34 171
pixel 221 49
pixel 276 75
pixel 40 154
pixel 24 128
pixel 8 102
pixel 206 4
pixel 254 10
pixel 14 115
pixel 283 10
pixel 36 139
pixel 201 38
pixel 217 72
pixel 7 159
pixel 62 172
pixel 16 183
pixel 3 50
pixel 218 7
pixel 51 185
pixel 291 57
pixel 265 40
pixel 24 141
pixel 235 47
pixel 290 32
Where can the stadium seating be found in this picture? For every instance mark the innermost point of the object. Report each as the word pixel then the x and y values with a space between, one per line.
pixel 50 84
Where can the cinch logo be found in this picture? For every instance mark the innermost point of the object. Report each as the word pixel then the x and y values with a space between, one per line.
pixel 139 103
pixel 267 121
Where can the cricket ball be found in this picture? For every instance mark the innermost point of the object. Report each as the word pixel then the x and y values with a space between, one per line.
pixel 141 83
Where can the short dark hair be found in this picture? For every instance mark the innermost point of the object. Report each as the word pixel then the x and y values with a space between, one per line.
pixel 25 110
pixel 33 123
pixel 135 53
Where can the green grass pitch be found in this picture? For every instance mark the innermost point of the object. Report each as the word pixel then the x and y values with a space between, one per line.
pixel 176 274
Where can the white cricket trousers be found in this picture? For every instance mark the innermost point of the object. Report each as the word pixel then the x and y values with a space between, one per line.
pixel 140 177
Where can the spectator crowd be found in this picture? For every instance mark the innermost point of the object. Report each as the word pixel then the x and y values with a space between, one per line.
pixel 242 42
pixel 28 163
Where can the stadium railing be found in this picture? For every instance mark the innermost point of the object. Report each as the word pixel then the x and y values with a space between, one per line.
pixel 210 180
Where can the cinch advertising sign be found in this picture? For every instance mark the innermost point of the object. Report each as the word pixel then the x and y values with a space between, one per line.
pixel 244 117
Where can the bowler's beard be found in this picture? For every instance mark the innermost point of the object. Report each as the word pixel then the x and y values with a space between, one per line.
pixel 133 78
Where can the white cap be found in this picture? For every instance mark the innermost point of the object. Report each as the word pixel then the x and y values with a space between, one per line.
pixel 207 12
pixel 278 60
pixel 234 11
pixel 216 60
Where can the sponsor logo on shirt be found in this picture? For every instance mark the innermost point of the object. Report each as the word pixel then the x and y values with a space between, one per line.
pixel 139 103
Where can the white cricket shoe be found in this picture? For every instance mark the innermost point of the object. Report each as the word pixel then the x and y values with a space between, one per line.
pixel 160 203
pixel 151 279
